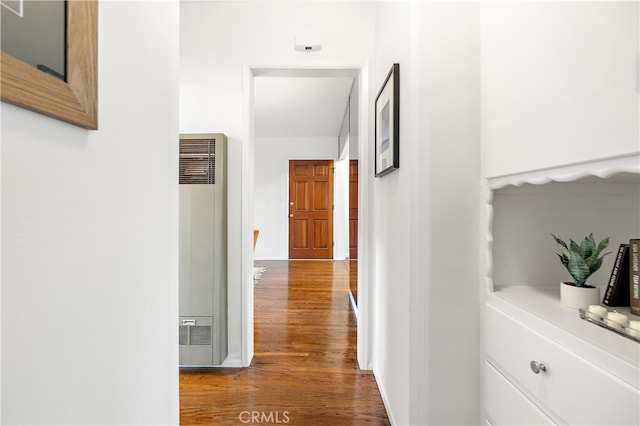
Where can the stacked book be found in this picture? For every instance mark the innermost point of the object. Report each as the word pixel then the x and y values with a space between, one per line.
pixel 623 288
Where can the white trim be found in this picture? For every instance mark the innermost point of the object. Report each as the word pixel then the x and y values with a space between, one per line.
pixel 232 363
pixel 604 168
pixel 246 217
pixel 249 72
pixel 270 258
pixel 385 400
pixel 364 337
pixel 304 71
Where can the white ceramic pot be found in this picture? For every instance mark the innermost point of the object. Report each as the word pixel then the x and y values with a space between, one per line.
pixel 574 297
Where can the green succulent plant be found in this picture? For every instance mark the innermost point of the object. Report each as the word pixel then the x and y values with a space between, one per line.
pixel 581 260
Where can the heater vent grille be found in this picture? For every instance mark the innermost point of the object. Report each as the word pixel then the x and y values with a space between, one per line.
pixel 195 335
pixel 197 161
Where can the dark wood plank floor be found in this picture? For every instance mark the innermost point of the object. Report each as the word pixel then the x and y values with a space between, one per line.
pixel 304 371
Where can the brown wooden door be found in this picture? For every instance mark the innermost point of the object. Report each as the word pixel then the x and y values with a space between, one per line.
pixel 310 209
pixel 353 209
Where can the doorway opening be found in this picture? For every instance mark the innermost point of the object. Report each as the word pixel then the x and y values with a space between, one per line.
pixel 264 193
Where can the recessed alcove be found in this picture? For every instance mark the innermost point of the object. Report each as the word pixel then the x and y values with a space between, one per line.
pixel 525 216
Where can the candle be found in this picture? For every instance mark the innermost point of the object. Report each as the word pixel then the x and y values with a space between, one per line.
pixel 633 329
pixel 596 312
pixel 618 317
pixel 616 320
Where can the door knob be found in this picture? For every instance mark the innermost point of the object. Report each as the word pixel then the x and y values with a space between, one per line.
pixel 537 367
pixel 291 215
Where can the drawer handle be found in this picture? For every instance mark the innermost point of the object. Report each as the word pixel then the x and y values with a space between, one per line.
pixel 537 367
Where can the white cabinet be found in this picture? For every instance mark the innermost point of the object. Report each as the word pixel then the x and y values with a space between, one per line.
pixel 571 388
pixel 593 375
pixel 559 83
pixel 505 404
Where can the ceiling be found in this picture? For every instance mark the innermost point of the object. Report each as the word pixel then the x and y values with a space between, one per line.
pixel 300 106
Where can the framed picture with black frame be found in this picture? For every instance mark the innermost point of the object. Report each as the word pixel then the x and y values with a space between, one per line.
pixel 387 124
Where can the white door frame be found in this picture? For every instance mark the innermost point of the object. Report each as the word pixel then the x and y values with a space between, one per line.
pixel 248 148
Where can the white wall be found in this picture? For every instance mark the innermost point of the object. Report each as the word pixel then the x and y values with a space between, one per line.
pixel 426 217
pixel 560 83
pixel 390 226
pixel 218 41
pixel 445 327
pixel 271 187
pixel 89 240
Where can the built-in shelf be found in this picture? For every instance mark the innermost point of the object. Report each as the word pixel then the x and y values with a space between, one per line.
pixel 523 272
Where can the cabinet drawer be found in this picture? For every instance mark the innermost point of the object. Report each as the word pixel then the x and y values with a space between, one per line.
pixel 572 390
pixel 506 405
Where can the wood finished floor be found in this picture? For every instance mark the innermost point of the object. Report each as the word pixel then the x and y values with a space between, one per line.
pixel 304 371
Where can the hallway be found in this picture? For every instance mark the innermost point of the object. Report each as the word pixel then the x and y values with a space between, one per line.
pixel 304 371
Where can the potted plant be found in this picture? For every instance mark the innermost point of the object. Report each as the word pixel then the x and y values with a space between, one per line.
pixel 581 260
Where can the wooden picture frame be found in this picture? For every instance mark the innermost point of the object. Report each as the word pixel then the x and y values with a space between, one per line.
pixel 74 100
pixel 387 124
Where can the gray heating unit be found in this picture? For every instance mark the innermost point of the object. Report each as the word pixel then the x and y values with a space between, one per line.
pixel 203 250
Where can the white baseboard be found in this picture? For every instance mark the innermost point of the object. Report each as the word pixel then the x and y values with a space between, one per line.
pixel 232 363
pixel 384 399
